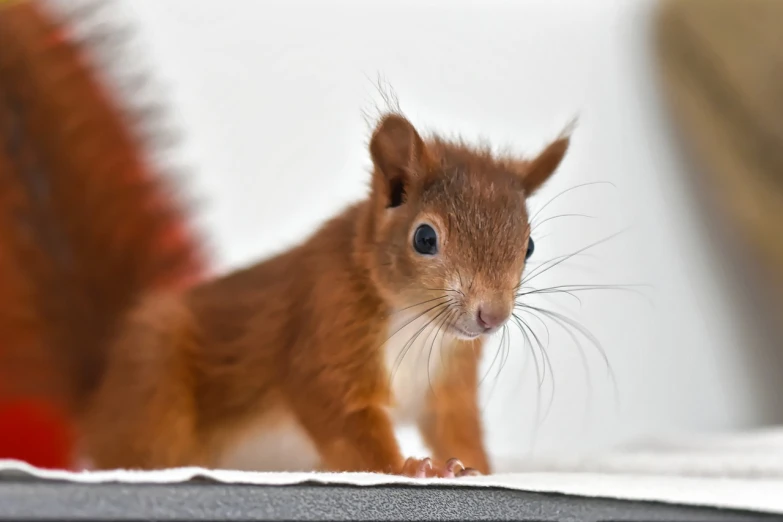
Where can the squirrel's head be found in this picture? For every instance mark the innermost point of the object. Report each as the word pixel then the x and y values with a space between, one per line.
pixel 449 227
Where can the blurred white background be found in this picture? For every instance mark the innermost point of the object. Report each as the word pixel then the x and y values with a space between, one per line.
pixel 270 96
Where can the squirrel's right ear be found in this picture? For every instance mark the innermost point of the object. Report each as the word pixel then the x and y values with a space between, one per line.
pixel 399 155
pixel 536 172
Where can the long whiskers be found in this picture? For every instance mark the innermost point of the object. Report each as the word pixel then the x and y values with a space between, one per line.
pixel 572 290
pixel 581 288
pixel 419 304
pixel 545 361
pixel 560 259
pixel 494 359
pixel 407 346
pixel 523 328
pixel 583 359
pixel 534 226
pixel 566 191
pixel 504 349
pixel 449 290
pixel 565 322
pixel 444 322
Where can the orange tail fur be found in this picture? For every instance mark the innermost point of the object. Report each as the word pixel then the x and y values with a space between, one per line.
pixel 87 224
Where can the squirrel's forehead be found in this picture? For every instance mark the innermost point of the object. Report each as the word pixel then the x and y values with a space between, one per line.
pixel 474 203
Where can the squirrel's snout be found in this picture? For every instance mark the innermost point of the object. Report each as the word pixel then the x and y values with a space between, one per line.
pixel 489 318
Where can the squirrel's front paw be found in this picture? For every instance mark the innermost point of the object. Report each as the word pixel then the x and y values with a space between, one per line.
pixel 421 468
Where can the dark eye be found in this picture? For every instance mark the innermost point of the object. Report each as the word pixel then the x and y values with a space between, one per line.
pixel 425 240
pixel 531 247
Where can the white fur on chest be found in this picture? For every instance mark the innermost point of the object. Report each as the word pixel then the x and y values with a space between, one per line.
pixel 415 354
pixel 278 445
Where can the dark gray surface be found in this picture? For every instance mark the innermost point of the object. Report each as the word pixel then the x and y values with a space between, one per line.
pixel 31 499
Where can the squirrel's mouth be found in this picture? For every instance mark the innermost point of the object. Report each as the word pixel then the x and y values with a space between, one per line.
pixel 462 334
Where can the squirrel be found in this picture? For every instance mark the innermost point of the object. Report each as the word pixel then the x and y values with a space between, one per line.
pixel 307 360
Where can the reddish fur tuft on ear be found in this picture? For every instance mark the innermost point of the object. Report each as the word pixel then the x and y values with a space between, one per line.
pixel 398 153
pixel 537 171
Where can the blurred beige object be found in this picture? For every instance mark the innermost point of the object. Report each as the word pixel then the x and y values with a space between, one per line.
pixel 722 68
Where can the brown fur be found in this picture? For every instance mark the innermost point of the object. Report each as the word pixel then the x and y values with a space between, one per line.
pixel 86 224
pixel 302 332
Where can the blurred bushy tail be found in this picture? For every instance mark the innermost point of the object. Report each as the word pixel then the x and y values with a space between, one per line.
pixel 86 222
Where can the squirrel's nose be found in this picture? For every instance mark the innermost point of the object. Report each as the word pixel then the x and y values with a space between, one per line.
pixel 488 318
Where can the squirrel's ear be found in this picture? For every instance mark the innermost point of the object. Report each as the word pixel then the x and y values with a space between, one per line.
pixel 537 171
pixel 399 154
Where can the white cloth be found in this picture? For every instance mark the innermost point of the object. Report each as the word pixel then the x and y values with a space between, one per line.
pixel 740 472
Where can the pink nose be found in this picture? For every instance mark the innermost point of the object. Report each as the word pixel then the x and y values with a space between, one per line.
pixel 488 319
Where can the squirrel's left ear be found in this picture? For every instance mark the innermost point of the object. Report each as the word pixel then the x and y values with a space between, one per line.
pixel 534 173
pixel 399 155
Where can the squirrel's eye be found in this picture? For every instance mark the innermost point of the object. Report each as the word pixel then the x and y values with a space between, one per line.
pixel 425 240
pixel 531 247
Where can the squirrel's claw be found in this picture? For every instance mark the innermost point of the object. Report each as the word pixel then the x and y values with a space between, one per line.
pixel 424 468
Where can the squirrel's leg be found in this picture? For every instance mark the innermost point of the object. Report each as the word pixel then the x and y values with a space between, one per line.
pixel 364 440
pixel 451 421
pixel 344 411
pixel 143 415
pixel 346 415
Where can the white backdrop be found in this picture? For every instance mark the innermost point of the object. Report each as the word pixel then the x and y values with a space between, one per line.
pixel 270 96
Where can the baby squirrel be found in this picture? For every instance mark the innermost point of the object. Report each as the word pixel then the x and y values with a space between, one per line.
pixel 309 360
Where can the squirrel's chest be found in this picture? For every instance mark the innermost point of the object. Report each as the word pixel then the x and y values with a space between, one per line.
pixel 415 353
